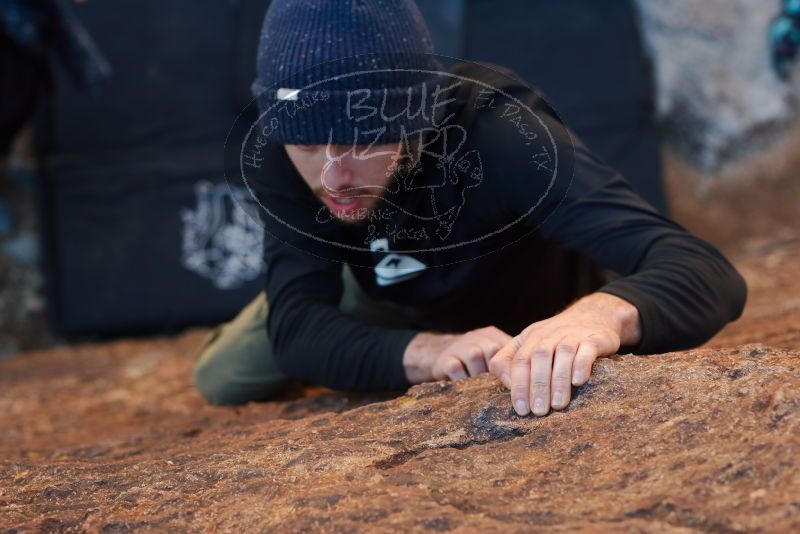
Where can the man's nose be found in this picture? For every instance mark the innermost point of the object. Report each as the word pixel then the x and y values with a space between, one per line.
pixel 337 177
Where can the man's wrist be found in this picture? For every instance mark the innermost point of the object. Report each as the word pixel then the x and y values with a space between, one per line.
pixel 620 315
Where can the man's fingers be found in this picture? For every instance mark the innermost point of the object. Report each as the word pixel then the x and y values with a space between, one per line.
pixel 588 351
pixel 491 339
pixel 520 382
pixel 489 347
pixel 473 356
pixel 497 335
pixel 541 371
pixel 449 367
pixel 500 364
pixel 562 373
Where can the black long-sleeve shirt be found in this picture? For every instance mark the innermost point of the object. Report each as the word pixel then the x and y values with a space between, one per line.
pixel 499 244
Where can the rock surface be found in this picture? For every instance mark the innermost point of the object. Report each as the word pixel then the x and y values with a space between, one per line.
pixel 715 82
pixel 112 438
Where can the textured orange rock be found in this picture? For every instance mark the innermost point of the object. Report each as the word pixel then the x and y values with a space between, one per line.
pixel 112 438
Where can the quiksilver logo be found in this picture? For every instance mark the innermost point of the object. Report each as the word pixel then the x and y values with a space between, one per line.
pixel 394 267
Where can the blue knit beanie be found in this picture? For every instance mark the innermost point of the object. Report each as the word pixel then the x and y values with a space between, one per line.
pixel 344 71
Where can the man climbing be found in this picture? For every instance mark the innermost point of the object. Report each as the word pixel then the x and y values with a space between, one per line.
pixel 427 223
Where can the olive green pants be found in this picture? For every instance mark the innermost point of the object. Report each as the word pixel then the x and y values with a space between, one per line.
pixel 236 364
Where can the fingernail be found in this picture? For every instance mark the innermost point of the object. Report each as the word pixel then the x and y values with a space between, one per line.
pixel 538 405
pixel 558 398
pixel 520 407
pixel 577 378
pixel 504 379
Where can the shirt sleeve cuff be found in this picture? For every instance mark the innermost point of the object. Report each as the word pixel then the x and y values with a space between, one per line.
pixel 647 314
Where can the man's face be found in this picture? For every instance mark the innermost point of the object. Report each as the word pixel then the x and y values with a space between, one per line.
pixel 346 178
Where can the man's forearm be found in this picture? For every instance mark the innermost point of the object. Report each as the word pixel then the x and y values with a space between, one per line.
pixel 319 343
pixel 685 291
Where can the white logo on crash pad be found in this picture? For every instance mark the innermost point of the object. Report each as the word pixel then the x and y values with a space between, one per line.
pixel 222 236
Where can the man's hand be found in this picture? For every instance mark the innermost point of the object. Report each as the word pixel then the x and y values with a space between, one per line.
pixel 432 356
pixel 541 364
